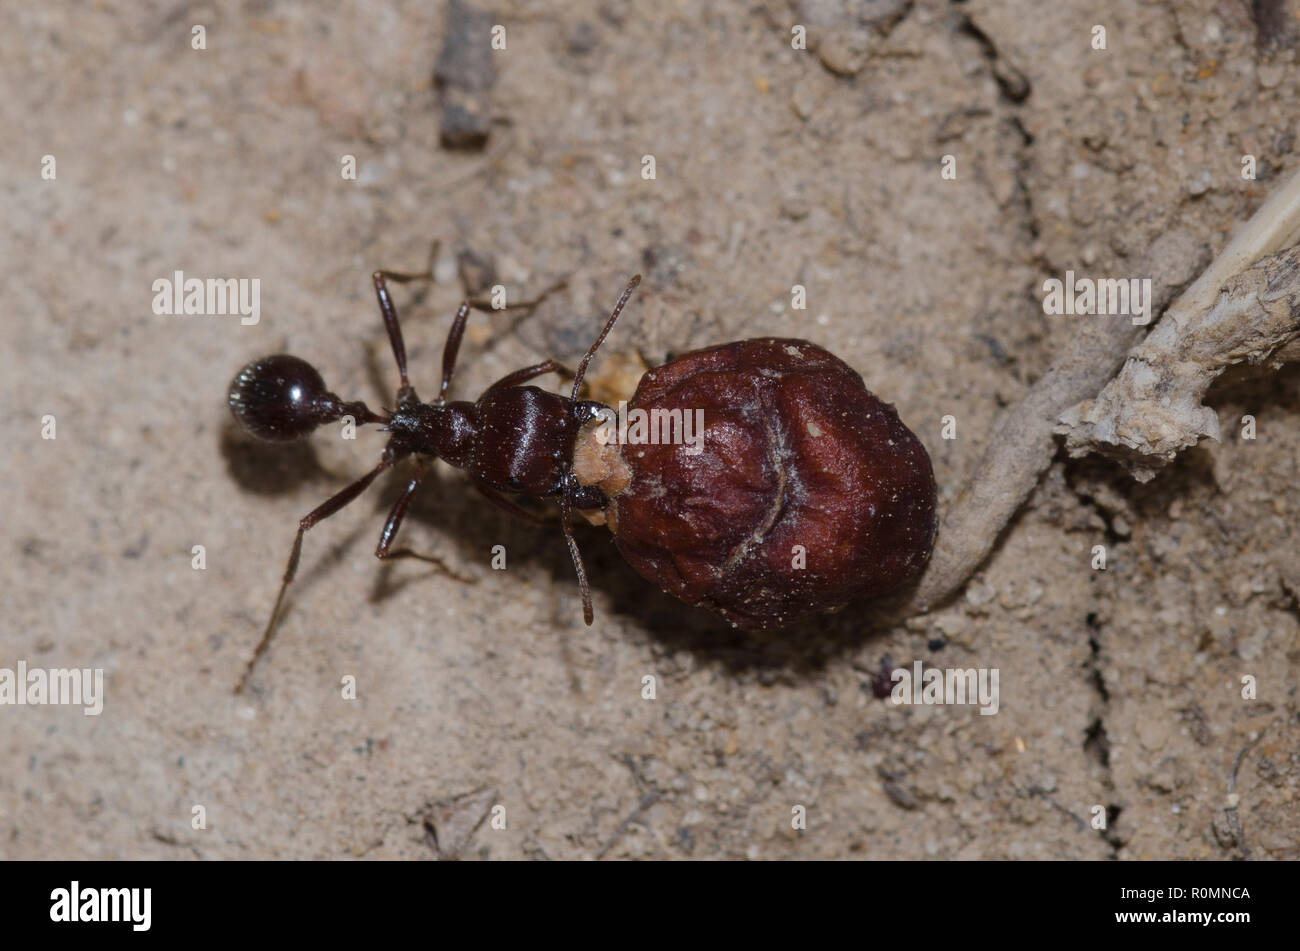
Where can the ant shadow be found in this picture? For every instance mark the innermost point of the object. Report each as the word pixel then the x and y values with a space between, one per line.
pixel 470 526
pixel 267 468
pixel 799 652
pixel 475 525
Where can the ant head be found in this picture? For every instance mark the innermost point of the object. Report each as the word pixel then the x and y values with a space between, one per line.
pixel 279 398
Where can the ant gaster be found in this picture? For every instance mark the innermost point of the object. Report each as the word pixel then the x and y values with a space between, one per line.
pixel 514 439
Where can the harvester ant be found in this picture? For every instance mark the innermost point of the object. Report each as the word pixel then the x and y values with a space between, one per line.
pixel 514 440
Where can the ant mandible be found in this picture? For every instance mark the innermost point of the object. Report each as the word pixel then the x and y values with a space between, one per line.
pixel 514 439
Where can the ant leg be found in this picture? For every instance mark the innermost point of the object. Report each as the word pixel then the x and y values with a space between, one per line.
pixel 321 512
pixel 553 366
pixel 528 373
pixel 389 311
pixel 395 521
pixel 609 325
pixel 507 505
pixel 451 348
pixel 587 614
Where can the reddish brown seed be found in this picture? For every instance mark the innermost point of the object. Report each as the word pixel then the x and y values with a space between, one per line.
pixel 809 492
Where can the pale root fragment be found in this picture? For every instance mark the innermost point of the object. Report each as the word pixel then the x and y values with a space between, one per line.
pixel 1242 308
pixel 1153 409
pixel 1014 462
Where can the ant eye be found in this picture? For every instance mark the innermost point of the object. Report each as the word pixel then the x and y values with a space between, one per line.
pixel 276 398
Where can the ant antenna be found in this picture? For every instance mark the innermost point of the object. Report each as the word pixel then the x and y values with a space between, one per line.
pixel 566 506
pixel 566 503
pixel 609 325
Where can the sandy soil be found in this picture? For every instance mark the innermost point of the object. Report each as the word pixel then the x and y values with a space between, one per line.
pixel 1120 689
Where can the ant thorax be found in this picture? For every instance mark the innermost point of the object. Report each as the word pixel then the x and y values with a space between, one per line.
pixel 445 430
